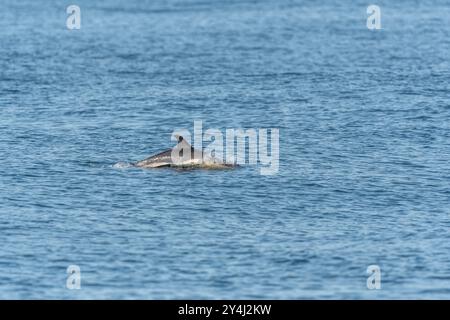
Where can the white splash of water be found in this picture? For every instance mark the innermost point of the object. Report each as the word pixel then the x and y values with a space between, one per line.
pixel 122 165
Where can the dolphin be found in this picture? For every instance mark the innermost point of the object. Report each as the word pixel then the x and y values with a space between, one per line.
pixel 183 155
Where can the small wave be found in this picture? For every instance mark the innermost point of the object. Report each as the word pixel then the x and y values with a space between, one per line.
pixel 122 165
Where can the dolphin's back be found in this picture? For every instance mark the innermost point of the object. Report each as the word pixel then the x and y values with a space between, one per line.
pixel 196 159
pixel 162 159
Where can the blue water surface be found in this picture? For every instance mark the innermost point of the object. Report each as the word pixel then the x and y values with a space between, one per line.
pixel 364 178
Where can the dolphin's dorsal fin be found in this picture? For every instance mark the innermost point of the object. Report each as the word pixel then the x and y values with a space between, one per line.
pixel 182 142
pixel 184 145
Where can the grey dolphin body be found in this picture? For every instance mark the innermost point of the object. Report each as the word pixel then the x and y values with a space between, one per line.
pixel 163 159
pixel 196 159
